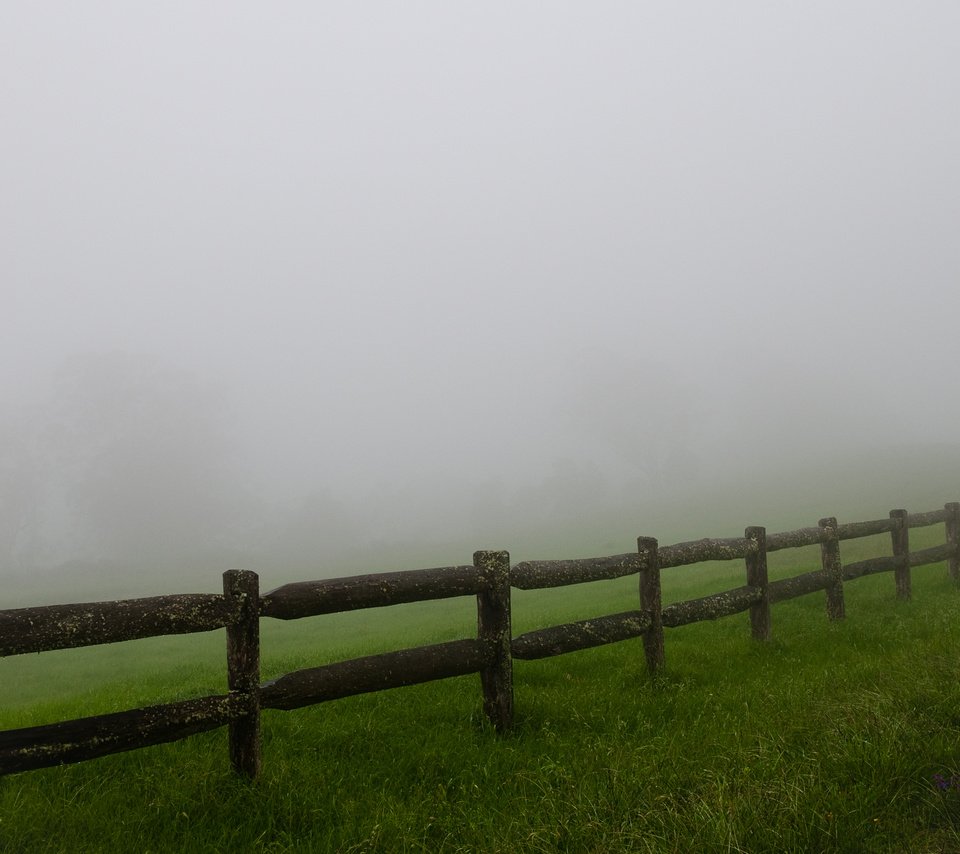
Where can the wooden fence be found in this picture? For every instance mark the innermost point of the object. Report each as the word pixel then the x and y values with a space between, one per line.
pixel 240 607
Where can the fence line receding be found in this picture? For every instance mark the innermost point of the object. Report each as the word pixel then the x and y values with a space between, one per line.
pixel 489 579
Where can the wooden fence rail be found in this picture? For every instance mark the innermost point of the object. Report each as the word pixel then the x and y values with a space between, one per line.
pixel 491 654
pixel 375 673
pixel 66 626
pixel 312 598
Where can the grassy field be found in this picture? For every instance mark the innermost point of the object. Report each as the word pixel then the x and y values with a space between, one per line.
pixel 833 737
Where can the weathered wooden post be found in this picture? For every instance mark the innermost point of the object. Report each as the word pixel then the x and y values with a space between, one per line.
pixel 757 577
pixel 243 669
pixel 651 602
pixel 493 626
pixel 952 523
pixel 832 568
pixel 900 540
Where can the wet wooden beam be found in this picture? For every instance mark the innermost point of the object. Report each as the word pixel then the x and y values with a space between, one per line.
pixel 871 566
pixel 243 670
pixel 51 627
pixel 757 578
pixel 793 539
pixel 584 634
pixel 376 673
pixel 332 595
pixel 541 574
pixel 698 551
pixel 88 738
pixel 651 601
pixel 900 543
pixel 932 517
pixel 853 530
pixel 832 568
pixel 952 526
pixel 711 607
pixel 797 585
pixel 493 630
pixel 935 554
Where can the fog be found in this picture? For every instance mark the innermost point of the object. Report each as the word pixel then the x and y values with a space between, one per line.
pixel 314 289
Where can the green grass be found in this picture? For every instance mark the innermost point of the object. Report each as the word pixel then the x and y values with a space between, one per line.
pixel 826 739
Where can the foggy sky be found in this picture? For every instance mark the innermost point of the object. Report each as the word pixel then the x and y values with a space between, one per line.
pixel 429 258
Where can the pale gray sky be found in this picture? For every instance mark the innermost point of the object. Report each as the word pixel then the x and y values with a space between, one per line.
pixel 439 242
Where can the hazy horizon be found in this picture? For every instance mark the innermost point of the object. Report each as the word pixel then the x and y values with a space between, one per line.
pixel 304 285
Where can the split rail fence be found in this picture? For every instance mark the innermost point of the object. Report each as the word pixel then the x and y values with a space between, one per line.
pixel 490 578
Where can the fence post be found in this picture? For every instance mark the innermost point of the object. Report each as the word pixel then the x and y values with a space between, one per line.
pixel 493 626
pixel 953 537
pixel 832 568
pixel 651 602
pixel 900 540
pixel 757 577
pixel 243 669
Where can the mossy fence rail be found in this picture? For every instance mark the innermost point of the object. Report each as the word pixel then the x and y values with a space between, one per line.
pixel 240 607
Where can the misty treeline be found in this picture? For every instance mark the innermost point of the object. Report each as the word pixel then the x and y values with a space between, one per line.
pixel 123 459
pixel 130 469
pixel 128 464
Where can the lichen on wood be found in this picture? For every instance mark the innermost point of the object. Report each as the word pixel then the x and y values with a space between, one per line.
pixel 651 600
pixel 872 566
pixel 328 596
pixel 931 517
pixel 88 738
pixel 854 530
pixel 584 634
pixel 243 670
pixel 793 539
pixel 952 530
pixel 900 543
pixel 541 574
pixel 51 627
pixel 934 554
pixel 375 673
pixel 494 630
pixel 832 568
pixel 757 577
pixel 699 551
pixel 797 585
pixel 711 607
